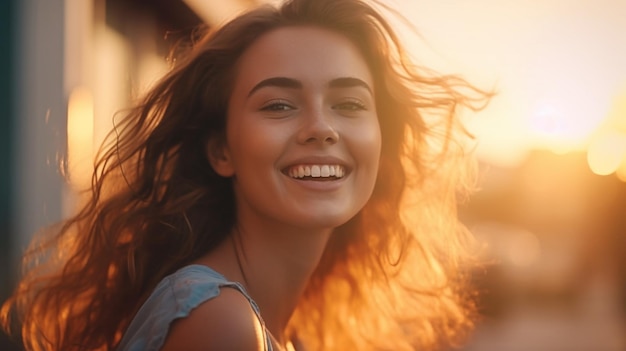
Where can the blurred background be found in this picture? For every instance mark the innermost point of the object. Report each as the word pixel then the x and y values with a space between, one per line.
pixel 551 145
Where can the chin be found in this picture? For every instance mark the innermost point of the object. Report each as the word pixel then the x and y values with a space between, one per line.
pixel 323 222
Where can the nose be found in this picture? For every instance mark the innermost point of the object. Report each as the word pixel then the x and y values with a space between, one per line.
pixel 317 127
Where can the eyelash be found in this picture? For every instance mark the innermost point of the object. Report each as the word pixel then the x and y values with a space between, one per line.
pixel 354 105
pixel 277 106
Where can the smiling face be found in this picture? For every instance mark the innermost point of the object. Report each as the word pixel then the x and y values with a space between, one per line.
pixel 302 137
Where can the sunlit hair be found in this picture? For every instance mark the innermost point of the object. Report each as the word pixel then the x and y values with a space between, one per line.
pixel 392 278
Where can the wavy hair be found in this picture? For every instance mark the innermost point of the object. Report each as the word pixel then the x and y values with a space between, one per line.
pixel 392 278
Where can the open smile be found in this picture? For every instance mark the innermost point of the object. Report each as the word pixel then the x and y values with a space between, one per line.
pixel 316 172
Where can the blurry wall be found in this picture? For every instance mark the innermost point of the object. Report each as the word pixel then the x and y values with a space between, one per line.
pixel 40 112
pixel 6 126
pixel 7 121
pixel 6 139
pixel 33 121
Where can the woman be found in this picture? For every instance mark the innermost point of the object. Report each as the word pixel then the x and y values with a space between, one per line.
pixel 290 184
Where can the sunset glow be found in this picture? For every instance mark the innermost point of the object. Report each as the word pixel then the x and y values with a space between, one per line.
pixel 555 65
pixel 80 122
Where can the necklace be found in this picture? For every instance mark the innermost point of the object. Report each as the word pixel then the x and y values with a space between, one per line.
pixel 239 265
pixel 288 345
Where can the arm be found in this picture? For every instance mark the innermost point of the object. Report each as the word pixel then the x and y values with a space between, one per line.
pixel 226 322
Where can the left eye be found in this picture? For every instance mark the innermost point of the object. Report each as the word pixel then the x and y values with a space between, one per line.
pixel 352 105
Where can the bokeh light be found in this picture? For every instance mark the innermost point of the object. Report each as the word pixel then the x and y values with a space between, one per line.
pixel 80 128
pixel 607 152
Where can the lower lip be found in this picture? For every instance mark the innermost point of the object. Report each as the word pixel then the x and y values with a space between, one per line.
pixel 319 185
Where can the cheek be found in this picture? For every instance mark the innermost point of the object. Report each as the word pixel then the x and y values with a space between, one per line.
pixel 367 141
pixel 254 144
pixel 366 147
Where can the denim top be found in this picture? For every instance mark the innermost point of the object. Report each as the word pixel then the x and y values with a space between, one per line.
pixel 175 297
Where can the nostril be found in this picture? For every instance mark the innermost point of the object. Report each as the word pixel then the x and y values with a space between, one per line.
pixel 331 139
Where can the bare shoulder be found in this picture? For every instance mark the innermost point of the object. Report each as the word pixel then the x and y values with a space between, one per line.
pixel 226 322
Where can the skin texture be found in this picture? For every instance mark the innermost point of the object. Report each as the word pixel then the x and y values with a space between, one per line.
pixel 302 96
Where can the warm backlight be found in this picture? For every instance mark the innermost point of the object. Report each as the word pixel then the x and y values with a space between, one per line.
pixel 80 121
pixel 606 153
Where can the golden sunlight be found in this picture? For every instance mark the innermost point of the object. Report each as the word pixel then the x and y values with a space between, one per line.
pixel 607 152
pixel 621 171
pixel 80 122
pixel 555 65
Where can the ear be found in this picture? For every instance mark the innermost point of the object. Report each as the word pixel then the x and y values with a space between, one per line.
pixel 219 157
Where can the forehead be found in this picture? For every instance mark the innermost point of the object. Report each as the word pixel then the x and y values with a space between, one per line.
pixel 309 54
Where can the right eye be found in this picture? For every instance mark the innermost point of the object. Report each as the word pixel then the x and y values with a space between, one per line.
pixel 277 106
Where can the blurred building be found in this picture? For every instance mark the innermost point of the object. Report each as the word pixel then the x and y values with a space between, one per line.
pixel 554 234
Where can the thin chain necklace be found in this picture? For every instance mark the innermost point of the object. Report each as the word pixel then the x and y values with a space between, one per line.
pixel 239 265
pixel 288 345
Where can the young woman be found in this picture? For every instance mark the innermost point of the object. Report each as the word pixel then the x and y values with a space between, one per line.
pixel 290 184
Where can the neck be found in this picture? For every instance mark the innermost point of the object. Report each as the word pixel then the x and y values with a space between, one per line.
pixel 276 268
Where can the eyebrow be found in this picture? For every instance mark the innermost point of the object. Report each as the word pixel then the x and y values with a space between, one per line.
pixel 349 82
pixel 281 82
pixel 284 82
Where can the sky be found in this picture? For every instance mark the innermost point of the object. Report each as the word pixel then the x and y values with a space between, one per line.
pixel 559 68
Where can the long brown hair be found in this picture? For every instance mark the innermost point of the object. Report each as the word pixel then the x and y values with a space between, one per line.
pixel 390 279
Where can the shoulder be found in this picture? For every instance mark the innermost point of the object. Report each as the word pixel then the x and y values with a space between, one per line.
pixel 226 322
pixel 193 297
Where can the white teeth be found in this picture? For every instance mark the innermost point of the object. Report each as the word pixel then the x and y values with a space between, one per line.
pixel 316 171
pixel 325 171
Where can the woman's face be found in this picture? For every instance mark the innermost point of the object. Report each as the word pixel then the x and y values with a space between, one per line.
pixel 302 138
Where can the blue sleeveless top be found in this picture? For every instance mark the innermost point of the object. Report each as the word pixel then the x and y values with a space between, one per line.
pixel 175 297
